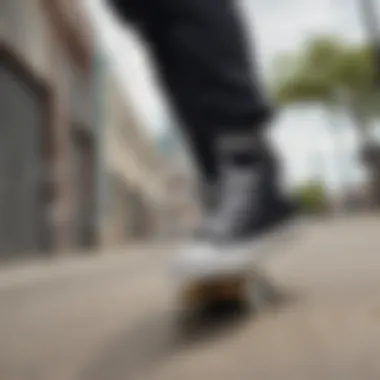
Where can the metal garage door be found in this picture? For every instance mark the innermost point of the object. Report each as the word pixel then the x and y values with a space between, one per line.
pixel 21 211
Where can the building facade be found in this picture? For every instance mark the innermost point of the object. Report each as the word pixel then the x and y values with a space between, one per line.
pixel 46 197
pixel 76 167
pixel 134 176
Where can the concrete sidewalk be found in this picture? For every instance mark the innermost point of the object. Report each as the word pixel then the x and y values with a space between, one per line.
pixel 40 270
pixel 112 316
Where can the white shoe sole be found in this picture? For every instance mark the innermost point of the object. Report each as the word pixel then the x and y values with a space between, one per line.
pixel 204 260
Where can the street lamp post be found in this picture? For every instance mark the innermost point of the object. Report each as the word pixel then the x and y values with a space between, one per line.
pixel 368 11
pixel 100 70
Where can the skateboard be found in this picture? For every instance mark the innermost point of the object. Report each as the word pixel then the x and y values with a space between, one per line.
pixel 242 289
pixel 216 280
pixel 209 275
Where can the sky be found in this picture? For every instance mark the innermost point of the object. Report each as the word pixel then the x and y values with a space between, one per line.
pixel 303 136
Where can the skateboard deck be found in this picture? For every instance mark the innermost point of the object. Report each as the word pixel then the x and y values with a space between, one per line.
pixel 208 276
pixel 218 289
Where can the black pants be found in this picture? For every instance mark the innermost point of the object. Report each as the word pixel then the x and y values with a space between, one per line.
pixel 204 63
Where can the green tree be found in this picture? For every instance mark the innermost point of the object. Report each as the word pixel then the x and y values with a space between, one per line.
pixel 338 76
pixel 311 198
pixel 331 73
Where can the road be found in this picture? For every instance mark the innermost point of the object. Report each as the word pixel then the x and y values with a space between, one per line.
pixel 112 317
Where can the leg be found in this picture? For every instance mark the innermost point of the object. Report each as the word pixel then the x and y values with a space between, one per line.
pixel 201 54
pixel 202 57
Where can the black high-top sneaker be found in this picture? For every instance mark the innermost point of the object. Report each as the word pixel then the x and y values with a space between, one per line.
pixel 250 202
pixel 249 211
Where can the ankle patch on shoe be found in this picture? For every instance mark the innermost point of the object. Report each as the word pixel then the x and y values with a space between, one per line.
pixel 243 159
pixel 242 142
pixel 241 149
